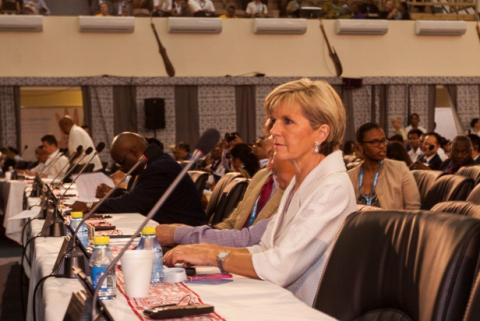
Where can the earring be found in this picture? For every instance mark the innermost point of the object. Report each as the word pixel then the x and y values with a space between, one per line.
pixel 316 148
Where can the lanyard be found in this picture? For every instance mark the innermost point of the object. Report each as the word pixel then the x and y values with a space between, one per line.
pixel 265 194
pixel 253 214
pixel 369 198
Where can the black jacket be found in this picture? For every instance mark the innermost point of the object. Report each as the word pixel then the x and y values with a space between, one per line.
pixel 183 206
pixel 435 163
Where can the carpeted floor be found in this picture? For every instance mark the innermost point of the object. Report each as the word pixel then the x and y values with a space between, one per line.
pixel 10 294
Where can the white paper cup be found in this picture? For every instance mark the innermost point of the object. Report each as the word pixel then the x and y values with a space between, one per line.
pixel 137 272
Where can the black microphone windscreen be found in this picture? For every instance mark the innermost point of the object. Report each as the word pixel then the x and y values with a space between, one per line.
pixel 208 140
pixel 100 147
pixel 89 150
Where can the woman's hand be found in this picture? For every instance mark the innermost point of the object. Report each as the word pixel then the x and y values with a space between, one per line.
pixel 196 254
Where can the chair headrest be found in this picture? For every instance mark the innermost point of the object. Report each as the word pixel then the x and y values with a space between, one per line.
pixel 448 188
pixel 474 196
pixel 472 172
pixel 458 207
pixel 419 263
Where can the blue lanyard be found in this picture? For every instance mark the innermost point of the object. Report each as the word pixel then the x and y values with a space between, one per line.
pixel 373 195
pixel 253 214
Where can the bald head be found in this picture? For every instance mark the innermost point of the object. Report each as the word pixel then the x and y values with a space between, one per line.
pixel 127 148
pixel 66 123
pixel 461 153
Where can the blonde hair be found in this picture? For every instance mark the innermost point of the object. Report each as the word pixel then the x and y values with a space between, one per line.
pixel 319 103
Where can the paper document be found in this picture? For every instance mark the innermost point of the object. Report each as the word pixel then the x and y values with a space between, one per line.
pixel 87 184
pixel 31 213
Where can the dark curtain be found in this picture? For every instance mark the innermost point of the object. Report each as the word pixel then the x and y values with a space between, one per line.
pixel 347 98
pixel 186 114
pixel 452 92
pixel 432 102
pixel 124 109
pixel 17 103
pixel 87 106
pixel 383 106
pixel 408 103
pixel 10 130
pixel 246 112
pixel 373 104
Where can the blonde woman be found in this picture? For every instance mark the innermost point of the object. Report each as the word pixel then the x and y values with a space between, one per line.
pixel 307 122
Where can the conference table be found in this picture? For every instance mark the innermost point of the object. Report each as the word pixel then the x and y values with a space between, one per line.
pixel 240 299
pixel 11 198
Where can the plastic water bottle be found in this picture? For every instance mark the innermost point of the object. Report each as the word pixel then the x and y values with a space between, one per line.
pixel 149 241
pixel 82 233
pixel 99 261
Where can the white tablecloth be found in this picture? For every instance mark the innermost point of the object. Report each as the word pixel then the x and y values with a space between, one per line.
pixel 242 299
pixel 11 193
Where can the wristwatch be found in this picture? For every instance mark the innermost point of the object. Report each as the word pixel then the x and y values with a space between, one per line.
pixel 221 257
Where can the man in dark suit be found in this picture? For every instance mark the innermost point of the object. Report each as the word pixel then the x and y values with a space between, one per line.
pixel 476 148
pixel 149 183
pixel 430 146
pixel 460 155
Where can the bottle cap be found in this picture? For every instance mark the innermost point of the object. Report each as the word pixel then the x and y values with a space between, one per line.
pixel 76 214
pixel 101 240
pixel 148 230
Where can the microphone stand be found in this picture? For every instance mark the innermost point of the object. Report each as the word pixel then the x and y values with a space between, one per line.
pixel 84 167
pixel 73 258
pixel 47 167
pixel 37 181
pixel 70 169
pixel 195 157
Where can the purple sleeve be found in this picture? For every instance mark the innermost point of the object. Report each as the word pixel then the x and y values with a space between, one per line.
pixel 235 238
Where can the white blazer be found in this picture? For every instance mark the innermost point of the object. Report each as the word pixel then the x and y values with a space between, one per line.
pixel 295 247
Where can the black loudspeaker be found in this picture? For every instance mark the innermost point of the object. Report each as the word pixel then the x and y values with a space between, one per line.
pixel 154 113
pixel 352 82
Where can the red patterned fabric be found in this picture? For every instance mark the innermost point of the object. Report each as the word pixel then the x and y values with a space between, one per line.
pixel 164 293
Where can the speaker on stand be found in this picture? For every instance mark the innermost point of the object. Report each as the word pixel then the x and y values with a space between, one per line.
pixel 154 114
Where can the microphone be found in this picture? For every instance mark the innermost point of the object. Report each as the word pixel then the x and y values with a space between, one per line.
pixel 36 187
pixel 206 143
pixel 68 255
pixel 72 159
pixel 50 165
pixel 88 151
pixel 99 149
pixel 148 154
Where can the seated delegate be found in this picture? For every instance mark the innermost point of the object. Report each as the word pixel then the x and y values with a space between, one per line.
pixel 307 122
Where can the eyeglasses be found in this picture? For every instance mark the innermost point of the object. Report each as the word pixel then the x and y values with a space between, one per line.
pixel 376 142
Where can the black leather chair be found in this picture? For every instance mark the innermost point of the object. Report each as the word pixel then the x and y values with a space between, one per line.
pixel 458 207
pixel 448 188
pixel 401 266
pixel 425 180
pixel 232 194
pixel 199 178
pixel 472 172
pixel 472 210
pixel 474 196
pixel 473 308
pixel 217 192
